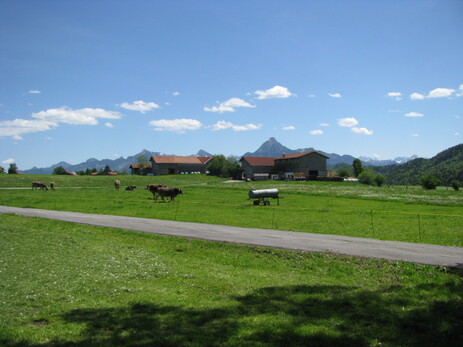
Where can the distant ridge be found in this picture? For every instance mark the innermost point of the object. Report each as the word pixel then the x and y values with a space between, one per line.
pixel 273 148
pixel 446 165
pixel 270 148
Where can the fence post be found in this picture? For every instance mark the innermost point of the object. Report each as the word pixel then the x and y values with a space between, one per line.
pixel 419 227
pixel 176 210
pixel 372 225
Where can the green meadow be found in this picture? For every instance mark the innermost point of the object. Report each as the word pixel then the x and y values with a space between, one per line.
pixel 64 284
pixel 409 214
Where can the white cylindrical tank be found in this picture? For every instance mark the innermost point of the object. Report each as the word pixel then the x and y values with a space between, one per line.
pixel 263 193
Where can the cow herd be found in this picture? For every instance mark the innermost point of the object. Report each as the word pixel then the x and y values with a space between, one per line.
pixel 41 185
pixel 158 190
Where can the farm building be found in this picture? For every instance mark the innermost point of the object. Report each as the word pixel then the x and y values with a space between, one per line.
pixel 137 169
pixel 289 166
pixel 258 168
pixel 173 165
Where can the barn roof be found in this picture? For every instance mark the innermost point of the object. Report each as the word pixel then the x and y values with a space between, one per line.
pixel 137 166
pixel 260 161
pixel 174 159
pixel 299 155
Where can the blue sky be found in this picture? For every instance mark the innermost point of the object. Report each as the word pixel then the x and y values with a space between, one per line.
pixel 105 79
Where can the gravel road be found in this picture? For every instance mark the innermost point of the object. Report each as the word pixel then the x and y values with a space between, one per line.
pixel 353 246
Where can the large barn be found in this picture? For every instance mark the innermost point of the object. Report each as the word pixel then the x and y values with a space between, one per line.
pixel 173 165
pixel 304 165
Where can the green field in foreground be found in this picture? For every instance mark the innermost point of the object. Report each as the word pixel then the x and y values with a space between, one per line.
pixel 409 214
pixel 76 285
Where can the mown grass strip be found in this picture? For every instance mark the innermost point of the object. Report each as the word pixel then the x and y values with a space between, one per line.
pixel 68 284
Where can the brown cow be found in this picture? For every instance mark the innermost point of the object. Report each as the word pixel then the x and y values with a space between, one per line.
pixel 52 185
pixel 153 188
pixel 130 188
pixel 169 192
pixel 117 184
pixel 38 184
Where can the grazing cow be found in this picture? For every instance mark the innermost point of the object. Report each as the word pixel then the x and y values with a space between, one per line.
pixel 117 184
pixel 38 184
pixel 153 188
pixel 130 188
pixel 169 192
pixel 52 185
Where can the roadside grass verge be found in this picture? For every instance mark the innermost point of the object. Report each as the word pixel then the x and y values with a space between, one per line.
pixel 406 214
pixel 68 284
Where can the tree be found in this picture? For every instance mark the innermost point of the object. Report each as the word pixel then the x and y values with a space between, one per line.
pixel 456 185
pixel 344 172
pixel 429 181
pixel 366 177
pixel 379 180
pixel 358 167
pixel 234 168
pixel 224 167
pixel 142 162
pixel 2 170
pixel 218 166
pixel 13 169
pixel 107 169
pixel 59 170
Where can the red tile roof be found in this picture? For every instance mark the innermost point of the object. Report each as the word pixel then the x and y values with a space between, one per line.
pixel 173 159
pixel 260 161
pixel 137 166
pixel 204 159
pixel 298 155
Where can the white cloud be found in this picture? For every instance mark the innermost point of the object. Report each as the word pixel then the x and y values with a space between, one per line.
pixel 17 127
pixel 83 116
pixel 414 114
pixel 222 125
pixel 456 134
pixel 176 125
pixel 347 122
pixel 275 92
pixel 141 106
pixel 312 96
pixel 362 131
pixel 335 95
pixel 440 93
pixel 8 161
pixel 176 93
pixel 415 135
pixel 460 93
pixel 417 96
pixel 395 95
pixel 34 92
pixel 316 132
pixel 109 125
pixel 324 124
pixel 289 127
pixel 228 106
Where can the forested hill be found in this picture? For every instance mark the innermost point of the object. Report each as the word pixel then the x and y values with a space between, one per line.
pixel 447 166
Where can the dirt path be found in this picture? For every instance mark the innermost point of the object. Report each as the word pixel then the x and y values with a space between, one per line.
pixel 353 246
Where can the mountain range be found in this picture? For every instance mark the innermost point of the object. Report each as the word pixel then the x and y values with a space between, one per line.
pixel 446 165
pixel 270 148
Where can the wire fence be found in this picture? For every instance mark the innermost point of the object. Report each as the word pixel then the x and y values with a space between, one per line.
pixel 410 226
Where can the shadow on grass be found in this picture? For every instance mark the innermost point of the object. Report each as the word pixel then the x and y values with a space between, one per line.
pixel 281 316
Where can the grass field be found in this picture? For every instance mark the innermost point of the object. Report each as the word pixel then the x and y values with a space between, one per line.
pixel 64 284
pixel 409 214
